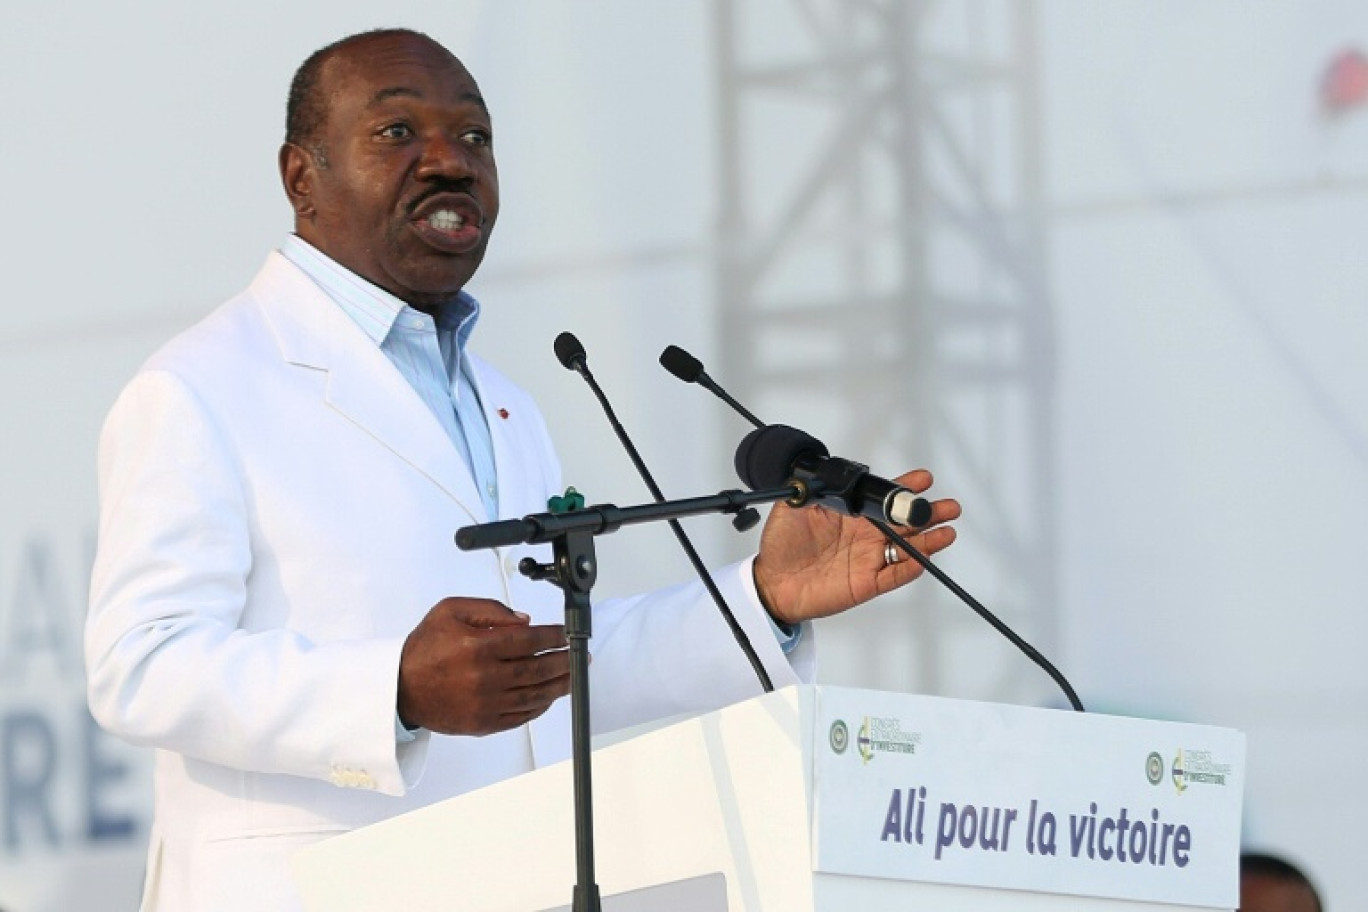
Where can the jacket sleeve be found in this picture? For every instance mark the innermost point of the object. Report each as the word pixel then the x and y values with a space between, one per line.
pixel 168 664
pixel 670 652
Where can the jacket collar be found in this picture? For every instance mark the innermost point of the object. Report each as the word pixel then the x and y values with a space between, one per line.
pixel 363 386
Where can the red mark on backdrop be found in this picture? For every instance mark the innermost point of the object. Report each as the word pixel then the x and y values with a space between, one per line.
pixel 1344 85
pixel 503 413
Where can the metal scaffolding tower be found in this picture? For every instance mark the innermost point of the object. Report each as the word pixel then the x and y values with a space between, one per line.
pixel 881 283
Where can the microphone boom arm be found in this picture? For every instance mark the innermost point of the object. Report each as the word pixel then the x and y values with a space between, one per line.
pixel 601 519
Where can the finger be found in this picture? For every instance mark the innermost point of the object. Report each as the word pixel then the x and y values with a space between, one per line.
pixel 514 706
pixel 499 693
pixel 478 612
pixel 917 480
pixel 537 670
pixel 514 719
pixel 522 642
pixel 926 542
pixel 943 511
pixel 538 697
pixel 930 542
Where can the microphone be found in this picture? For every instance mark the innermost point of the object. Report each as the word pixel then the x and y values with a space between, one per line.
pixel 689 369
pixel 570 352
pixel 770 456
pixel 790 452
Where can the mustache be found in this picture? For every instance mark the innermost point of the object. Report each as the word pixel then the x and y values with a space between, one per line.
pixel 445 185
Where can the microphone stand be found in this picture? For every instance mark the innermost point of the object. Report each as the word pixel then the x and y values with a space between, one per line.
pixel 574 569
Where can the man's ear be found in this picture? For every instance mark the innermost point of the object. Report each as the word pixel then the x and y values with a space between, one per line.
pixel 297 173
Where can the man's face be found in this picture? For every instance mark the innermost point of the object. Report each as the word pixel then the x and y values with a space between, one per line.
pixel 401 187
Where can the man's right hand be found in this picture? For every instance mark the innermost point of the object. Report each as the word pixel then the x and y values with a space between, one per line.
pixel 474 667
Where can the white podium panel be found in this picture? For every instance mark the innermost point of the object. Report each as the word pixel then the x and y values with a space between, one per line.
pixel 822 798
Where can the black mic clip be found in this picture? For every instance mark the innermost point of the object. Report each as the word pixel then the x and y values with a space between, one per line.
pixel 828 480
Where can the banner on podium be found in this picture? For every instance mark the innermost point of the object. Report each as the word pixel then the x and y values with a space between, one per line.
pixel 936 790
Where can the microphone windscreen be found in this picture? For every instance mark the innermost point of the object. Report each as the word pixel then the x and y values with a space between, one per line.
pixel 767 456
pixel 682 364
pixel 569 351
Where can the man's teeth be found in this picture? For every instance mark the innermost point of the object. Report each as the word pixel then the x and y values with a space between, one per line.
pixel 445 220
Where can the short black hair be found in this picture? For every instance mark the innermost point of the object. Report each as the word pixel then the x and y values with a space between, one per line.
pixel 1263 864
pixel 305 110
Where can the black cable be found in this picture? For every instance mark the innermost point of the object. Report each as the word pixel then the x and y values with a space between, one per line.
pixel 997 624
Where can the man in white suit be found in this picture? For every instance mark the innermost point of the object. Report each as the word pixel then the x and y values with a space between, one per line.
pixel 276 605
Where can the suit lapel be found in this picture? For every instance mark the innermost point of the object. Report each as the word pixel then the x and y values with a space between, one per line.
pixel 363 386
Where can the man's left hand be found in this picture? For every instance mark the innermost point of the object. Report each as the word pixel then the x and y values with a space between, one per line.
pixel 814 562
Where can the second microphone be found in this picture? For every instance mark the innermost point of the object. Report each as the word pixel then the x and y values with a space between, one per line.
pixel 772 455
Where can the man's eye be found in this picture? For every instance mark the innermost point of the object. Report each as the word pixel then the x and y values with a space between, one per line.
pixel 396 131
pixel 476 137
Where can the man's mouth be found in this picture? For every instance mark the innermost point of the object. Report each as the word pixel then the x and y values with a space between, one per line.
pixel 446 220
pixel 451 225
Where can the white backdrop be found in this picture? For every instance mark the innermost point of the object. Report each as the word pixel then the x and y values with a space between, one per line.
pixel 1205 262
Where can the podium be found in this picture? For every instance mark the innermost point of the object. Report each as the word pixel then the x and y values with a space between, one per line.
pixel 828 798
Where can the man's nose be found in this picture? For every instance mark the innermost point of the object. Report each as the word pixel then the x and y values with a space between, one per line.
pixel 446 157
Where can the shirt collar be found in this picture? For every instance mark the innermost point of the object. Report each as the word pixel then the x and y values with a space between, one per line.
pixel 374 309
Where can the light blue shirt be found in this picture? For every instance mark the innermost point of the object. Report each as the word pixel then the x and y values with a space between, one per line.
pixel 429 353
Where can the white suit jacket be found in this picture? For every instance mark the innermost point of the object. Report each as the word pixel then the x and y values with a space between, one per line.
pixel 277 513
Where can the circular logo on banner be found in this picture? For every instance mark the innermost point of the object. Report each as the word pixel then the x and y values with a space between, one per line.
pixel 839 736
pixel 1154 768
